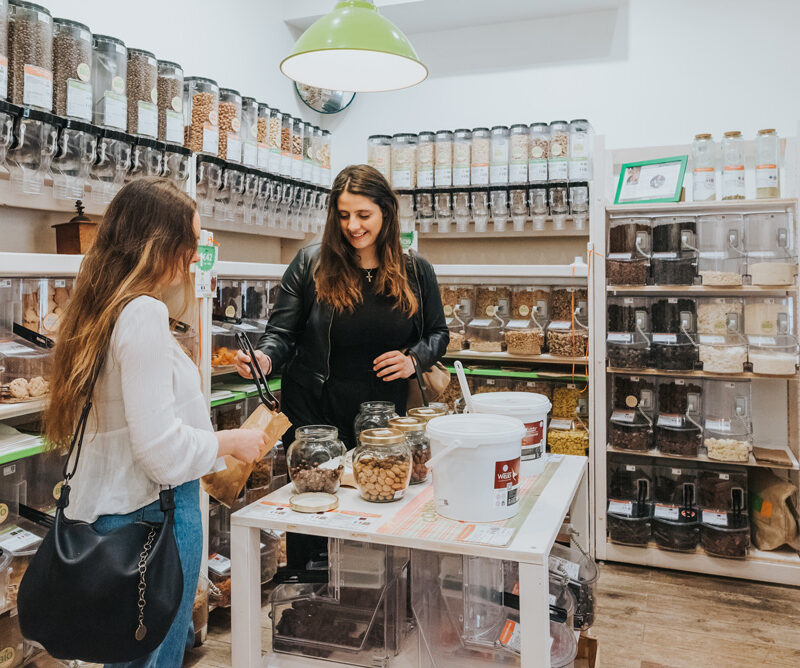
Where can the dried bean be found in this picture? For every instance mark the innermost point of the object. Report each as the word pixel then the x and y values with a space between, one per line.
pixel 142 87
pixel 30 42
pixel 312 478
pixel 203 111
pixel 72 59
pixel 228 115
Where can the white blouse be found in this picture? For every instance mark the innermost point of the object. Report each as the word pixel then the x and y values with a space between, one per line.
pixel 150 423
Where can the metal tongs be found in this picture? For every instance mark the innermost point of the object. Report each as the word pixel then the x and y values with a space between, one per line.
pixel 262 386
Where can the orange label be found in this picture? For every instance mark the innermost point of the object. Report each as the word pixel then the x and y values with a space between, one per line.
pixel 734 168
pixel 704 169
pixel 508 631
pixel 766 166
pixel 515 589
pixel 766 509
pixel 32 70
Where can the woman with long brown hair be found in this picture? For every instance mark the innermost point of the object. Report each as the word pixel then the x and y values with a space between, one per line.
pixel 150 424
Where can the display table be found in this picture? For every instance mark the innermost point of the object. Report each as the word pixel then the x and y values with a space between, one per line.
pixel 538 525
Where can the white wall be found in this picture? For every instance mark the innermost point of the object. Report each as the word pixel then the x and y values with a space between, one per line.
pixel 650 73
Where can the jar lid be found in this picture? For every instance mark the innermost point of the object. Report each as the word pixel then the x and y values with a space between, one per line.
pixel 316 431
pixel 371 405
pixel 169 63
pixel 407 424
pixel 462 130
pixel 445 133
pixel 141 52
pixel 499 127
pixel 383 436
pixel 521 127
pixel 314 502
pixel 71 24
pixel 107 38
pixel 481 129
pixel 704 135
pixel 579 120
pixel 539 125
pixel 28 5
pixel 398 134
pixel 371 136
pixel 558 123
pixel 426 413
pixel 767 131
pixel 249 100
pixel 512 404
pixel 427 134
pixel 733 133
pixel 205 80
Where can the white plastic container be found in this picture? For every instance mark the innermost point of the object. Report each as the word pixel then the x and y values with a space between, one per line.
pixel 476 466
pixel 529 407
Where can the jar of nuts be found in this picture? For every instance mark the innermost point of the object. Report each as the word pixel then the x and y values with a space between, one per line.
pixel 170 102
pixel 316 459
pixel 414 430
pixel 372 415
pixel 200 115
pixel 142 93
pixel 230 125
pixel 382 465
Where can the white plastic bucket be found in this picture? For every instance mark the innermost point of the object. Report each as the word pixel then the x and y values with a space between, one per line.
pixel 476 466
pixel 529 407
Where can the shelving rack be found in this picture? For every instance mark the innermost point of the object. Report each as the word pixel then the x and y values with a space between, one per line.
pixel 776 410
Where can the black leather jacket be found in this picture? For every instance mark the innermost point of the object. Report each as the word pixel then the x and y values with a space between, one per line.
pixel 298 333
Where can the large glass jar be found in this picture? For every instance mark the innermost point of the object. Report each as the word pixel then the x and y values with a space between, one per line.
pixel 249 131
pixel 30 55
pixel 77 148
pixel 170 102
pixel 580 150
pixel 230 125
pixel 32 152
pixel 3 49
pixel 538 152
pixel 142 93
pixel 519 140
pixel 462 156
pixel 443 159
pixel 109 78
pixel 108 173
pixel 771 256
pixel 382 465
pixel 177 159
pixel 721 249
pixel 200 115
pixel 481 155
pixel 373 415
pixel 298 133
pixel 557 162
pixel 414 431
pixel 733 166
pixel 404 161
pixel 768 151
pixel 379 154
pixel 704 161
pixel 316 459
pixel 425 159
pixel 73 95
pixel 498 161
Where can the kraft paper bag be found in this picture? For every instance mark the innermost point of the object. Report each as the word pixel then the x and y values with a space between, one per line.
pixel 226 486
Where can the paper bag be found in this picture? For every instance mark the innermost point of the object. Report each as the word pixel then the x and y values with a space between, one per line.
pixel 226 486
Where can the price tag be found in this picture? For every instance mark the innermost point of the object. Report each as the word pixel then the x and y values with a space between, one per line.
pixel 620 256
pixel 4 76
pixel 480 323
pixel 79 99
pixel 210 139
pixel 517 324
pixel 709 339
pixel 17 540
pixel 147 119
pixel 38 87
pixel 670 420
pixel 234 150
pixel 560 324
pixel 665 338
pixel 557 563
pixel 665 512
pixel 715 519
pixel 623 416
pixel 630 468
pixel 619 337
pixel 219 564
pixel 761 340
pixel 174 126
pixel 561 424
pixel 115 110
pixel 510 637
pixel 621 508
pixel 665 256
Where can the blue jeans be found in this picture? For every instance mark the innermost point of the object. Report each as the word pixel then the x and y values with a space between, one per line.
pixel 189 536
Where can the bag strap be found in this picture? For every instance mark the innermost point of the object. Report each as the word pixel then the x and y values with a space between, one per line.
pixel 423 387
pixel 80 428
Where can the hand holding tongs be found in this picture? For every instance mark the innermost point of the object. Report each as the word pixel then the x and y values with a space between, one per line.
pixel 267 398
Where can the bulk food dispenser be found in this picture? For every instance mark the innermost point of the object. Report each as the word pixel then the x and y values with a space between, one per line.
pixel 628 338
pixel 720 242
pixel 76 153
pixel 679 428
pixel 108 173
pixel 728 430
pixel 629 244
pixel 771 256
pixel 30 155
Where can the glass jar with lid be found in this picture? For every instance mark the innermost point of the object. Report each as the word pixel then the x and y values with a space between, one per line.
pixel 316 459
pixel 768 151
pixel 425 159
pixel 230 125
pixel 558 152
pixel 462 156
pixel 32 153
pixel 73 95
pixel 704 161
pixel 30 55
pixel 404 161
pixel 414 431
pixel 110 169
pixel 373 415
pixel 721 249
pixel 142 85
pixel 518 153
pixel 109 78
pixel 200 115
pixel 771 258
pixel 580 150
pixel 382 465
pixel 379 154
pixel 733 186
pixel 538 152
pixel 286 145
pixel 77 150
pixel 170 102
pixel 4 46
pixel 249 132
pixel 498 161
pixel 443 159
pixel 481 155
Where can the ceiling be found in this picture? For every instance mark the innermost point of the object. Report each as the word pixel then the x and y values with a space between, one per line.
pixel 416 16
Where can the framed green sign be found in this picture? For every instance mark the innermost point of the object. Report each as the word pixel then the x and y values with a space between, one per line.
pixel 651 180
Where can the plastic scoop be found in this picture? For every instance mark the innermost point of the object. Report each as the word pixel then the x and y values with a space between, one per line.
pixel 462 381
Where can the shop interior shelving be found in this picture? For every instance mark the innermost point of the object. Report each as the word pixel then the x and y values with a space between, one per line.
pixel 776 411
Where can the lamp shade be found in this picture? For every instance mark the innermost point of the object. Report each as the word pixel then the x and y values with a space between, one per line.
pixel 356 49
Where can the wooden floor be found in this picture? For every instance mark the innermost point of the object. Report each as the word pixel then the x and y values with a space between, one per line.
pixel 654 619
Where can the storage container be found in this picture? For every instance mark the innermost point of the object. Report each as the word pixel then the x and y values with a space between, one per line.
pixel 499 157
pixel 538 152
pixel 111 167
pixel 316 459
pixel 723 353
pixel 630 430
pixel 629 248
pixel 725 534
pixel 24 371
pixel 223 347
pixel 177 160
pixel 208 177
pixel 518 206
pixel 626 477
pixel 230 127
pixel 722 489
pixel 73 95
pixel 170 102
pixel 77 150
pixel 298 137
pixel 373 415
pixel 558 155
pixel 567 339
pixel 485 335
pixel 43 303
pixel 404 161
pixel 458 298
pixel 443 158
pixel 569 400
pixel 8 118
pixel 569 301
pixel 443 206
pixel 627 341
pixel 109 78
pixel 272 118
pixel 481 156
pixel 567 437
pixel 201 115
pixel 146 158
pixel 721 246
pixel 142 93
pixel 582 574
pixel 672 485
pixel 4 49
pixel 493 300
pixel 462 156
pixel 629 391
pixel 673 326
pixel 677 435
pixel 579 205
pixel 379 154
pixel 727 434
pixel 480 209
pixel 31 155
pixel 768 152
pixel 325 159
pixel 676 528
pixel 704 163
pixel 425 159
pixel 249 136
pixel 20 539
pixel 629 523
pixel 416 439
pixel 771 256
pixel 733 166
pixel 674 256
pixel 30 55
pixel 773 355
pixel 525 337
pixel 498 204
pixel 382 464
pixel 519 142
pixel 581 137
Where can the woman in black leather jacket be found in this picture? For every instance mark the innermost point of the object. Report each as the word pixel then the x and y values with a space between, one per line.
pixel 351 311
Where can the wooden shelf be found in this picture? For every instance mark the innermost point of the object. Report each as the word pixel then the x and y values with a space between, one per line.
pixel 507 357
pixel 8 411
pixel 704 458
pixel 778 566
pixel 687 208
pixel 745 375
pixel 711 291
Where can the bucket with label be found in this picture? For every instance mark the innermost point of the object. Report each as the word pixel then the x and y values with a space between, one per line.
pixel 476 466
pixel 529 407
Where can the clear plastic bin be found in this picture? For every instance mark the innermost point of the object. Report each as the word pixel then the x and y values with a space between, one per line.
pixel 773 356
pixel 20 539
pixel 223 347
pixel 630 526
pixel 720 242
pixel 636 435
pixel 567 437
pixel 485 335
pixel 43 302
pixel 771 254
pixel 31 155
pixel 15 649
pixel 77 150
pixel 625 478
pixel 675 435
pixel 727 429
pixel 720 489
pixel 566 340
pixel 676 535
pixel 525 337
pixel 111 167
pixel 673 352
pixel 109 78
pixel 720 353
pixel 147 158
pixel 176 165
pixel 728 536
pixel 565 301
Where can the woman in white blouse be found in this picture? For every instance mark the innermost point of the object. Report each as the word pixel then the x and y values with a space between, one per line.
pixel 150 424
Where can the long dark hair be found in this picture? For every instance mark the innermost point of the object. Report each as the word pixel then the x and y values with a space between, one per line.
pixel 337 276
pixel 146 230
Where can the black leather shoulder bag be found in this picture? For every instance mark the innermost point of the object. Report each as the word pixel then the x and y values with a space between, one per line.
pixel 101 598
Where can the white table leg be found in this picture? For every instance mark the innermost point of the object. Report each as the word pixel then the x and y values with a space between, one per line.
pixel 245 597
pixel 534 616
pixel 579 513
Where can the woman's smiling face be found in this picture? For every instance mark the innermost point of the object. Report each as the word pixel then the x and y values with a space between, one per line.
pixel 361 220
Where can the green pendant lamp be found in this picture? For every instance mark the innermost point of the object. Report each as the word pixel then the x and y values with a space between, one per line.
pixel 355 49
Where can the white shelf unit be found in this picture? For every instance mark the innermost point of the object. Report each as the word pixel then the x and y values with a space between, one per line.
pixel 776 408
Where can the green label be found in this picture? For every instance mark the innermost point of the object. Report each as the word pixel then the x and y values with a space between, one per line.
pixel 208 257
pixel 406 240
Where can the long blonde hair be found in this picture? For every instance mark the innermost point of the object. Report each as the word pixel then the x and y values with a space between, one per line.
pixel 147 231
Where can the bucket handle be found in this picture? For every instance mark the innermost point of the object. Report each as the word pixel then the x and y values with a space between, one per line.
pixel 455 445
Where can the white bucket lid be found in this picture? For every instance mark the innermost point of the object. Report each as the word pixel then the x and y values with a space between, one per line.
pixel 474 428
pixel 514 404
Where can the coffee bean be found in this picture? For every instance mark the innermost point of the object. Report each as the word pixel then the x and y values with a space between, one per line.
pixel 30 40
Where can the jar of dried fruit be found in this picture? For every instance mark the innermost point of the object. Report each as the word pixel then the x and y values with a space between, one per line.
pixel 414 431
pixel 316 459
